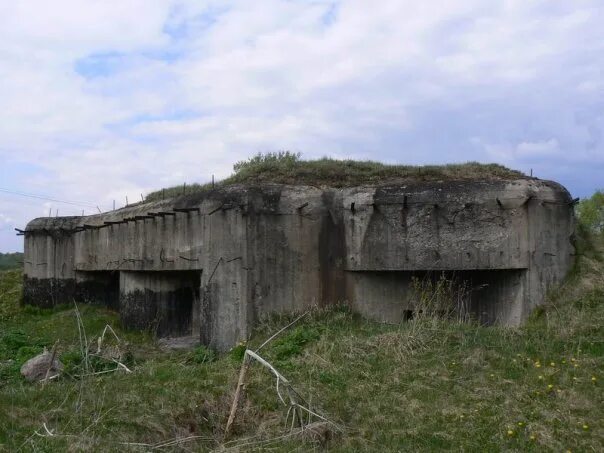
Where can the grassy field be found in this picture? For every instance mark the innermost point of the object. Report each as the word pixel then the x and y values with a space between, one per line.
pixel 289 168
pixel 426 384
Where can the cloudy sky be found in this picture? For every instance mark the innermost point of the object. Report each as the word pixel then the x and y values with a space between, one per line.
pixel 103 99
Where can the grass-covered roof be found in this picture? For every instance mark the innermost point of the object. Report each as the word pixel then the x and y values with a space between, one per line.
pixel 289 168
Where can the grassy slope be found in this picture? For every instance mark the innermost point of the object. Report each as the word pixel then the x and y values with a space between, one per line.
pixel 423 385
pixel 288 168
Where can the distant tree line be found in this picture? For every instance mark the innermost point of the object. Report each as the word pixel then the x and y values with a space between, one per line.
pixel 11 260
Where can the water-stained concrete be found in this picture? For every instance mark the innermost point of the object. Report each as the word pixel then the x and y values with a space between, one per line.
pixel 214 263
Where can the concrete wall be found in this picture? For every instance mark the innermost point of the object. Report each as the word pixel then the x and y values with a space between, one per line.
pixel 274 248
pixel 162 302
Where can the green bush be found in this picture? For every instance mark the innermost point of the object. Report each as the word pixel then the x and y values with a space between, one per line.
pixel 279 161
pixel 590 212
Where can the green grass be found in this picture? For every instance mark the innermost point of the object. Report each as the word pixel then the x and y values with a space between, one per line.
pixel 423 385
pixel 289 168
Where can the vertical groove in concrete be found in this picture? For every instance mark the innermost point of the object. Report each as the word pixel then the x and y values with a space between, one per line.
pixel 257 250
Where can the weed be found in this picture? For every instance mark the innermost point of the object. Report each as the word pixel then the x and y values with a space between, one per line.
pixel 202 354
pixel 237 352
pixel 292 343
pixel 440 296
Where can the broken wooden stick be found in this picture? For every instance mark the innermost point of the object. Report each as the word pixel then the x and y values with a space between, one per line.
pixel 242 372
pixel 51 363
pixel 294 405
pixel 240 382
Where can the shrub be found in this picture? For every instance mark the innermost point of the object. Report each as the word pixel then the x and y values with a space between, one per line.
pixel 280 161
pixel 590 212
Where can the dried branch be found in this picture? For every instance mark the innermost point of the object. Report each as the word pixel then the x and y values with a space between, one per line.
pixel 242 372
pixel 50 363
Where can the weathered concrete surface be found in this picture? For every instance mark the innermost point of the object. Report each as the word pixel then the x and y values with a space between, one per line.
pixel 215 263
pixel 161 302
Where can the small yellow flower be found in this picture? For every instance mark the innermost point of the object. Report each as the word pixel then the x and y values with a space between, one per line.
pixel 552 364
pixel 576 365
pixel 550 386
pixel 532 437
pixel 510 432
pixel 520 423
pixel 572 359
pixel 585 426
pixel 540 377
pixel 563 361
pixel 574 378
pixel 593 379
pixel 492 375
pixel 558 390
pixel 537 365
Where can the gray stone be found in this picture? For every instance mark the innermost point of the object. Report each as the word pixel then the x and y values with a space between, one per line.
pixel 36 368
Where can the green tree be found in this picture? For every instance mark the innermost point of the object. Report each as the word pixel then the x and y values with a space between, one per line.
pixel 590 212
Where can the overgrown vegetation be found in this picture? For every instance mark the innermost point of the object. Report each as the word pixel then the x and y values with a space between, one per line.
pixel 433 382
pixel 590 212
pixel 289 168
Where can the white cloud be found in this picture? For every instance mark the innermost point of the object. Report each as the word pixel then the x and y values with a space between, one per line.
pixel 519 152
pixel 540 148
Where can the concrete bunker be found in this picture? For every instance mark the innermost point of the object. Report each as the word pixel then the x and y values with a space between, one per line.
pixel 213 263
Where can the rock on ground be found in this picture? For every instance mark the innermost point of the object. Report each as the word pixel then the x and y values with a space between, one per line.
pixel 176 343
pixel 35 369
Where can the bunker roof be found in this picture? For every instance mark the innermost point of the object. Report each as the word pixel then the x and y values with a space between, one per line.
pixel 288 168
